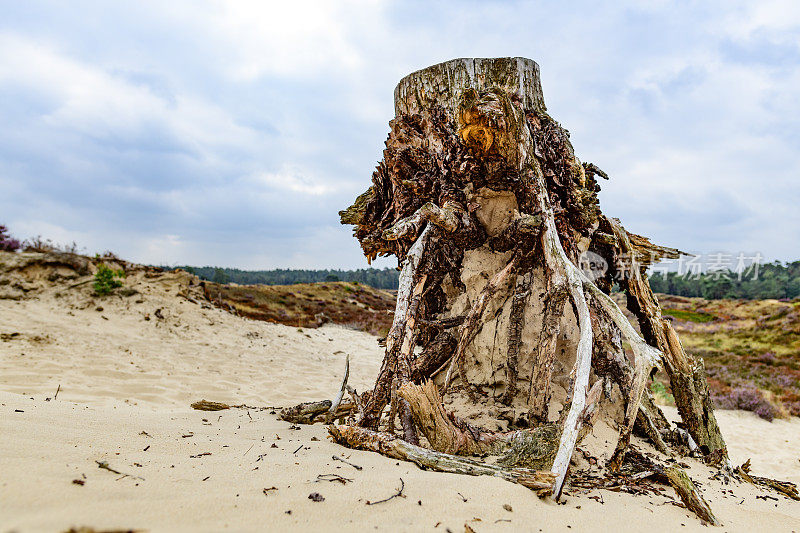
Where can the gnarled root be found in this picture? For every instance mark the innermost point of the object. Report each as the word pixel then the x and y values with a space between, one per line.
pixel 396 360
pixel 651 423
pixel 677 478
pixel 365 439
pixel 687 374
pixel 786 488
pixel 472 324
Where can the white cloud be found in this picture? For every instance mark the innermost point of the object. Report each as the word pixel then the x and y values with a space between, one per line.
pixel 297 39
pixel 771 17
pixel 290 179
pixel 90 101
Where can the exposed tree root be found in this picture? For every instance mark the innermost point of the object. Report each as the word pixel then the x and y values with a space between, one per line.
pixel 687 374
pixel 365 439
pixel 517 316
pixel 786 488
pixel 470 326
pixel 653 425
pixel 381 393
pixel 688 493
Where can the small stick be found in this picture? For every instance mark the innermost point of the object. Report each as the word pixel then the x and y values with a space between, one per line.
pixel 337 458
pixel 298 449
pixel 104 466
pixel 58 389
pixel 332 477
pixel 398 494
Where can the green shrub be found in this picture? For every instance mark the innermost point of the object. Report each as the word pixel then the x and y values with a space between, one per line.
pixel 105 280
pixel 661 393
pixel 691 316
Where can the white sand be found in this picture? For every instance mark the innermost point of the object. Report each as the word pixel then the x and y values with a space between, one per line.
pixel 124 376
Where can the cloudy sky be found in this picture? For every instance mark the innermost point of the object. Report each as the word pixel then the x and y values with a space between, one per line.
pixel 231 133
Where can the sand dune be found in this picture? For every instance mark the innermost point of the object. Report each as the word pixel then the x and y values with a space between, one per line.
pixel 125 387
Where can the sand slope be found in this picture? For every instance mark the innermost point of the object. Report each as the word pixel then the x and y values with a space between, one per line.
pixel 126 383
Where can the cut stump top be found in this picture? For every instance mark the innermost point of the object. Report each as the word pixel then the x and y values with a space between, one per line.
pixel 443 83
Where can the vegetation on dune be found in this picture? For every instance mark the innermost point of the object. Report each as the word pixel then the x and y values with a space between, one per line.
pixel 40 244
pixel 351 305
pixel 7 242
pixel 751 351
pixel 688 315
pixel 106 280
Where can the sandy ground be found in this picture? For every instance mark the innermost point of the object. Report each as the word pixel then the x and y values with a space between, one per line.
pixel 125 388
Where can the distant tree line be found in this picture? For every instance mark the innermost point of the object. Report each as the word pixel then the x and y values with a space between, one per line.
pixel 380 279
pixel 771 280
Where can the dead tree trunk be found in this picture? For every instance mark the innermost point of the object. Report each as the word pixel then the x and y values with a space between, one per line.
pixel 481 198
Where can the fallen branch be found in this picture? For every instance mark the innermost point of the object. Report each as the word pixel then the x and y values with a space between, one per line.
pixel 365 439
pixel 104 466
pixel 305 413
pixel 333 477
pixel 337 458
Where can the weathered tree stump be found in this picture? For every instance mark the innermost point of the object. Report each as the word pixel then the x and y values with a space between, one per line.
pixel 491 215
